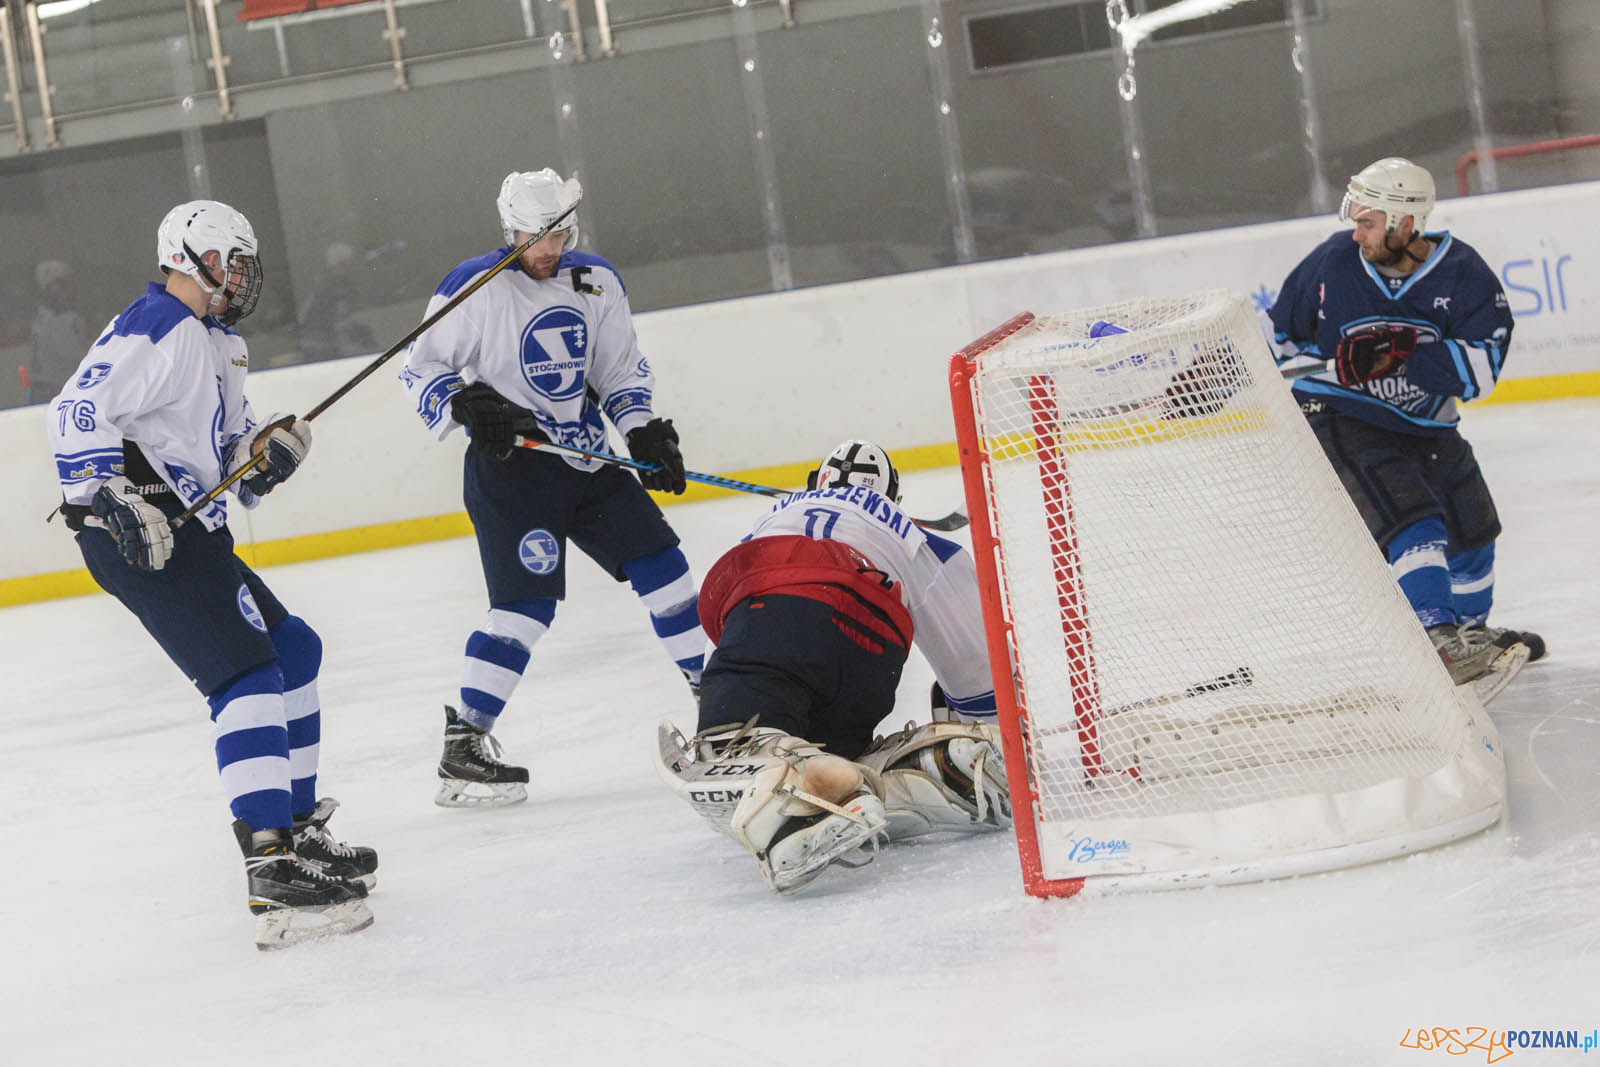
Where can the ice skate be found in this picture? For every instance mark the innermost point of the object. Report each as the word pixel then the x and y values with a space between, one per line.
pixel 292 900
pixel 315 845
pixel 1505 638
pixel 1474 659
pixel 471 772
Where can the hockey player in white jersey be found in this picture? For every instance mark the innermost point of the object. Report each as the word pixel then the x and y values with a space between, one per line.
pixel 542 351
pixel 153 419
pixel 812 615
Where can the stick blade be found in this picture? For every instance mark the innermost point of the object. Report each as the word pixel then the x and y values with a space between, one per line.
pixel 956 520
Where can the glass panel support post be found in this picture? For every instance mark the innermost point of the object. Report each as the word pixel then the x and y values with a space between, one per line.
pixel 602 25
pixel 30 14
pixel 219 60
pixel 394 33
pixel 1472 68
pixel 1310 123
pixel 958 194
pixel 753 78
pixel 8 51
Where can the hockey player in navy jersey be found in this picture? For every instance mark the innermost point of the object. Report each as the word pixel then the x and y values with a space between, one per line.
pixel 543 350
pixel 153 419
pixel 1411 321
pixel 812 615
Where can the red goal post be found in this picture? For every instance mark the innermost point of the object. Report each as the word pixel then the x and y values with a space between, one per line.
pixel 1205 671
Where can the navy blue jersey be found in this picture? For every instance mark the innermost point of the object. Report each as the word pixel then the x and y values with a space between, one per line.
pixel 1454 301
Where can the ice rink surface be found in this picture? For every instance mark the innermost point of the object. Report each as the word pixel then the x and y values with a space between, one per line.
pixel 602 923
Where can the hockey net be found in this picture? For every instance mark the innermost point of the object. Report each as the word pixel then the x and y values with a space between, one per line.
pixel 1214 676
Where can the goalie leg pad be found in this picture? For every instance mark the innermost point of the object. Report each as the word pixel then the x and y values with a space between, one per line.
pixel 942 777
pixel 803 814
pixel 712 770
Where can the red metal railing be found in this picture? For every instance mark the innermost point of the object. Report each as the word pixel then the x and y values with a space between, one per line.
pixel 1469 160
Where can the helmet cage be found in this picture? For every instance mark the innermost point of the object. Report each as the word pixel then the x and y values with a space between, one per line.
pixel 242 298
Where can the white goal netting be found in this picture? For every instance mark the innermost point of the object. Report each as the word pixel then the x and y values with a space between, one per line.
pixel 1217 677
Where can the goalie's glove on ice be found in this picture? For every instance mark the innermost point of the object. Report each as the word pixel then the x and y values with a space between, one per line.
pixel 141 530
pixel 1373 353
pixel 284 439
pixel 490 419
pixel 656 442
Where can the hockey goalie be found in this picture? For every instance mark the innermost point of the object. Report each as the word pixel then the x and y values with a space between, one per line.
pixel 812 616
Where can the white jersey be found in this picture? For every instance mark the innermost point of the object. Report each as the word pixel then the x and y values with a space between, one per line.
pixel 564 348
pixel 168 381
pixel 937 578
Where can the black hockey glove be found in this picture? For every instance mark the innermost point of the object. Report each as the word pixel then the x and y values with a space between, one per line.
pixel 1373 353
pixel 285 440
pixel 656 442
pixel 490 418
pixel 143 535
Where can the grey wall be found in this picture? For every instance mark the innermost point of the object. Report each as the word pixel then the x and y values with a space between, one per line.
pixel 661 133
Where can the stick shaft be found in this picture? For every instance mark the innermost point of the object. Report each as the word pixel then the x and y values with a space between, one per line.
pixel 1291 373
pixel 1240 677
pixel 953 521
pixel 621 461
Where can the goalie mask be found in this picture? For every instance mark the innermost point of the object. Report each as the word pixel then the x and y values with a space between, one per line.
pixel 192 230
pixel 858 463
pixel 530 200
pixel 1397 187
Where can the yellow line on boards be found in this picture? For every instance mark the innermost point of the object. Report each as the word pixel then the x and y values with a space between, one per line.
pixel 1553 387
pixel 56 584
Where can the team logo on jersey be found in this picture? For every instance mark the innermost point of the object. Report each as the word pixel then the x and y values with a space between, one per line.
pixel 247 608
pixel 93 375
pixel 539 552
pixel 555 348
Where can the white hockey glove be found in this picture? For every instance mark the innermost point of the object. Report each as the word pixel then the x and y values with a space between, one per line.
pixel 285 439
pixel 143 535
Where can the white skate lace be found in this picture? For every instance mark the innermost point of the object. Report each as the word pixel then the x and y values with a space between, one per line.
pixel 488 749
pixel 329 842
pixel 310 870
pixel 314 871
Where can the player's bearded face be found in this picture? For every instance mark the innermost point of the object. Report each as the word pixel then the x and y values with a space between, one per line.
pixel 1380 246
pixel 539 261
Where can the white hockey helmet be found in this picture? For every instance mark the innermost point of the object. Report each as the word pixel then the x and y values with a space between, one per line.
pixel 529 200
pixel 857 463
pixel 1395 186
pixel 190 231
